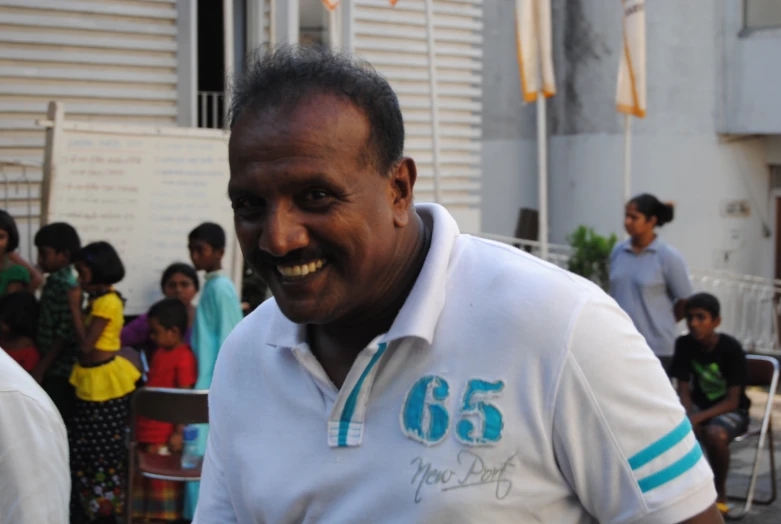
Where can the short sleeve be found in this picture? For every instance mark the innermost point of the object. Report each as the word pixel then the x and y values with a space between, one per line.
pixel 186 370
pixel 621 437
pixel 736 369
pixel 679 369
pixel 108 306
pixel 17 273
pixel 676 275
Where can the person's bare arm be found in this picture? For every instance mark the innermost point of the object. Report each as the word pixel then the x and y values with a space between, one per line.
pixel 36 278
pixel 45 363
pixel 74 304
pixel 95 329
pixel 679 309
pixel 712 515
pixel 685 395
pixel 730 403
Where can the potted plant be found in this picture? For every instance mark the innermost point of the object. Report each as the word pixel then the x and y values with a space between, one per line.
pixel 590 256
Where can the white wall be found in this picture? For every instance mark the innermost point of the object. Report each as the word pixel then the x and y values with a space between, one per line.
pixel 752 75
pixel 677 153
pixel 509 156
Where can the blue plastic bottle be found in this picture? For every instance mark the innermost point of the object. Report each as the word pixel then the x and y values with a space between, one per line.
pixel 190 456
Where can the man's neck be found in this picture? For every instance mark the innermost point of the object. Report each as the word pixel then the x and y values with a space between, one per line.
pixel 339 343
pixel 710 343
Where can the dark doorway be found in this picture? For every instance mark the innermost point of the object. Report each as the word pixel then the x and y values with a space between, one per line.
pixel 211 67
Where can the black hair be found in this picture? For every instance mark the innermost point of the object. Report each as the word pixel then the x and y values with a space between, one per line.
pixel 651 206
pixel 704 301
pixel 211 233
pixel 180 267
pixel 103 261
pixel 8 224
pixel 59 236
pixel 284 76
pixel 19 311
pixel 170 313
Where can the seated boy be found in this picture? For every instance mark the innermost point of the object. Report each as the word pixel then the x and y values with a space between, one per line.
pixel 712 373
pixel 173 366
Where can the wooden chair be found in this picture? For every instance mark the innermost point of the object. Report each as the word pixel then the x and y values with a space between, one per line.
pixel 177 406
pixel 762 371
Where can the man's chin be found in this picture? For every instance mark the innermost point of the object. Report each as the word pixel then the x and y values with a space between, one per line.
pixel 302 313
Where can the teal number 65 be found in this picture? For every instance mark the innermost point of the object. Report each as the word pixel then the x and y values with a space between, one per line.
pixel 425 417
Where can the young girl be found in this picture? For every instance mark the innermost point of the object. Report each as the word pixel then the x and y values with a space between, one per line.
pixel 648 277
pixel 103 382
pixel 18 320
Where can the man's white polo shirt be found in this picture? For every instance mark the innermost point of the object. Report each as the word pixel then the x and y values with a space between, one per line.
pixel 507 390
pixel 35 482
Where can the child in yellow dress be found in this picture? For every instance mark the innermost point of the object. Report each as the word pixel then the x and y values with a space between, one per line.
pixel 104 382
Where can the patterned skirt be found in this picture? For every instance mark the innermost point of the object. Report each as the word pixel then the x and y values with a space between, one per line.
pixel 155 499
pixel 99 457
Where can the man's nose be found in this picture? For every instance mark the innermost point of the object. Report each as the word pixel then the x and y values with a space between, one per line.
pixel 282 233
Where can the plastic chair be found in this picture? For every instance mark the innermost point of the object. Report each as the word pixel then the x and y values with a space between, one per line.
pixel 177 406
pixel 762 371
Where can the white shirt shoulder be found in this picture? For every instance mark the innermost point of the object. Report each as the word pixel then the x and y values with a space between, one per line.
pixel 34 468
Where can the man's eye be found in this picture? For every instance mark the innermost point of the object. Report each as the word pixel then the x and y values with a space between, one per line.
pixel 246 206
pixel 315 195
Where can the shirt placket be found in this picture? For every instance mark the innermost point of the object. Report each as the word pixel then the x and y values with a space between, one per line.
pixel 346 421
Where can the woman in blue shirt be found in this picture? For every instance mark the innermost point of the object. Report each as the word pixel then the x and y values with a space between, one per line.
pixel 649 278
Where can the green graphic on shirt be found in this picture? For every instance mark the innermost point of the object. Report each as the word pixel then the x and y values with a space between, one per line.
pixel 712 384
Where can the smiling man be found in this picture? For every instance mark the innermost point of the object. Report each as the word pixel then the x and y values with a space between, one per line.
pixel 404 372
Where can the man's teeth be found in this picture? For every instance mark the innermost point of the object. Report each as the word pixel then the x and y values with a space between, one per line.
pixel 301 270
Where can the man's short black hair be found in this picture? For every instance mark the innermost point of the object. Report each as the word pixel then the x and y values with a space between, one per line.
pixel 211 233
pixel 8 224
pixel 170 313
pixel 704 301
pixel 59 236
pixel 180 268
pixel 287 74
pixel 103 261
pixel 20 311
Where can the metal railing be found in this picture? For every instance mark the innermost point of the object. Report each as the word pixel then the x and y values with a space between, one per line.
pixel 749 304
pixel 211 109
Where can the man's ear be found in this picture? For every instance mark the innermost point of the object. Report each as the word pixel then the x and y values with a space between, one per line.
pixel 220 252
pixel 403 178
pixel 716 322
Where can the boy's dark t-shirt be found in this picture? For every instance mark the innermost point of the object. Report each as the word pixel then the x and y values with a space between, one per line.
pixel 712 372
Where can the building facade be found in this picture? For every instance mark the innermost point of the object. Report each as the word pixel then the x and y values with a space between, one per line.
pixel 710 142
pixel 163 62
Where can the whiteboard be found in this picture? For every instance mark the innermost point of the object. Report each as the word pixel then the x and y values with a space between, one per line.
pixel 142 189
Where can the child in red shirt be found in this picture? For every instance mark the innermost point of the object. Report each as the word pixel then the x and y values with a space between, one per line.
pixel 173 366
pixel 18 320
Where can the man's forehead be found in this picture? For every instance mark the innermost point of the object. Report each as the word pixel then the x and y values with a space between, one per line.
pixel 320 120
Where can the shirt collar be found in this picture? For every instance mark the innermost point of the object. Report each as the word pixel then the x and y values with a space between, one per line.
pixel 213 274
pixel 420 313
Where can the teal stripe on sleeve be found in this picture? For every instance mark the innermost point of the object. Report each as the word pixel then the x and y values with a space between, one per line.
pixel 674 470
pixel 662 445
